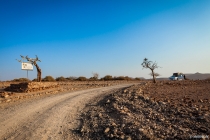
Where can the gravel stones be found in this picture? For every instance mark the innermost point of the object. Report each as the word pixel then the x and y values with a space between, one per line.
pixel 130 114
pixel 106 130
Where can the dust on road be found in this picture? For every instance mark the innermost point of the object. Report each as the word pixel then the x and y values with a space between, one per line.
pixel 47 118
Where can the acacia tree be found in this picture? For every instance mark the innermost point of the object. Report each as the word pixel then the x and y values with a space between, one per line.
pixel 33 62
pixel 150 65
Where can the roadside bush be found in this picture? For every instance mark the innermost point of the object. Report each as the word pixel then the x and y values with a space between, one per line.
pixel 61 79
pixel 49 79
pixel 123 78
pixel 93 78
pixel 82 78
pixel 137 78
pixel 21 80
pixel 119 78
pixel 71 78
pixel 35 79
pixel 107 78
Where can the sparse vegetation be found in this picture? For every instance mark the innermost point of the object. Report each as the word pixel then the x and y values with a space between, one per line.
pixel 61 79
pixel 49 79
pixel 93 79
pixel 21 80
pixel 107 78
pixel 82 78
pixel 35 79
pixel 71 78
pixel 137 78
pixel 95 76
pixel 150 65
pixel 123 78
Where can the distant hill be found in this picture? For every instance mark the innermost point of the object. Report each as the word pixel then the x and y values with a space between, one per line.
pixel 196 76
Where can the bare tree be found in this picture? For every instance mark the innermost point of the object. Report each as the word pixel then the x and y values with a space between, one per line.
pixel 150 65
pixel 95 75
pixel 33 62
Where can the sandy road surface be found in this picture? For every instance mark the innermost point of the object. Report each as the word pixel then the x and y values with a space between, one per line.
pixel 47 118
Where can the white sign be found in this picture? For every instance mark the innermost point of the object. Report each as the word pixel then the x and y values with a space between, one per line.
pixel 27 66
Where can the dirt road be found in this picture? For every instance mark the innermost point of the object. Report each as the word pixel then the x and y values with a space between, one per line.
pixel 47 118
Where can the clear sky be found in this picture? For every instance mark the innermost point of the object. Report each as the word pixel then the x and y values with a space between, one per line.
pixel 76 38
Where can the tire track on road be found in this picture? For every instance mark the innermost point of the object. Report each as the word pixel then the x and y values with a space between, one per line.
pixel 46 118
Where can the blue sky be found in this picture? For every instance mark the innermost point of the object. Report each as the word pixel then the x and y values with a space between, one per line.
pixel 108 37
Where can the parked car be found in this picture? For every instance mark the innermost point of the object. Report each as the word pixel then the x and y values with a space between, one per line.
pixel 177 76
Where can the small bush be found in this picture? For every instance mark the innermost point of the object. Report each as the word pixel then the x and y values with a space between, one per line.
pixel 123 78
pixel 35 79
pixel 60 79
pixel 93 78
pixel 21 80
pixel 137 78
pixel 82 78
pixel 107 78
pixel 49 79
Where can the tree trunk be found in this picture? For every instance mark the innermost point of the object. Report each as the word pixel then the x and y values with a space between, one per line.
pixel 39 72
pixel 153 75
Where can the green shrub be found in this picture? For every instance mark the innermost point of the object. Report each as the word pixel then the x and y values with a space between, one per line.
pixel 82 78
pixel 49 79
pixel 21 80
pixel 61 79
pixel 137 78
pixel 93 78
pixel 122 78
pixel 107 78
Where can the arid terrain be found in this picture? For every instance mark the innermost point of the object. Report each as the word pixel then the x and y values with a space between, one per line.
pixel 166 110
pixel 49 113
pixel 109 110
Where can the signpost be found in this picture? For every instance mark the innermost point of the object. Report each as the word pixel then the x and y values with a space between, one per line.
pixel 25 65
pixel 29 66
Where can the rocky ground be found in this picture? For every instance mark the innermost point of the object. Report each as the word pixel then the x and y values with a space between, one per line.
pixel 49 117
pixel 165 110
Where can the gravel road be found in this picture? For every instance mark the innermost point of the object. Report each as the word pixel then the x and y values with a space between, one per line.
pixel 48 117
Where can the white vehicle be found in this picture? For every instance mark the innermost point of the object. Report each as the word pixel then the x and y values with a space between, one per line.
pixel 177 76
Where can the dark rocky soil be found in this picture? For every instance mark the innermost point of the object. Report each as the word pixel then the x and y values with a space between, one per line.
pixel 165 110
